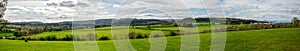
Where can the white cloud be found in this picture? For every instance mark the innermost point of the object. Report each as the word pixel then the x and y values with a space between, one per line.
pixel 95 9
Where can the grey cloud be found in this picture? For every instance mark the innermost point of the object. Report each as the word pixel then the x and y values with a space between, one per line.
pixel 83 4
pixel 67 3
pixel 260 10
pixel 28 0
pixel 62 4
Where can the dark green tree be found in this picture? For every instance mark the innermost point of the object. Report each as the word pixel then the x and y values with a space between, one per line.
pixel 172 33
pixel 104 38
pixel 139 36
pixel 16 34
pixel 295 22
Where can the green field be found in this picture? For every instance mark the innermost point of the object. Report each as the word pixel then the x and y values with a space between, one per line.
pixel 106 31
pixel 6 34
pixel 287 39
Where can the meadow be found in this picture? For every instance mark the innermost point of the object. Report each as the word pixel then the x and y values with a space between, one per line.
pixel 281 39
pixel 106 31
pixel 6 34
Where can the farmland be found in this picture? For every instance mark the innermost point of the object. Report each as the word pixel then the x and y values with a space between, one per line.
pixel 281 39
pixel 106 31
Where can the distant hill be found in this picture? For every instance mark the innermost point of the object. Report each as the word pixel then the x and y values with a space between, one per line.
pixel 231 20
pixel 136 21
pixel 99 22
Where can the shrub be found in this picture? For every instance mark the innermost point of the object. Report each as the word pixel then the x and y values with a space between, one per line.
pixel 51 38
pixel 172 33
pixel 241 27
pixel 156 35
pixel 104 38
pixel 174 24
pixel 139 36
pixel 206 31
pixel 230 28
pixel 146 36
pixel 68 38
pixel 13 38
pixel 29 38
pixel 17 34
pixel 21 38
pixel 131 35
pixel 251 26
pixel 275 26
pixel 42 38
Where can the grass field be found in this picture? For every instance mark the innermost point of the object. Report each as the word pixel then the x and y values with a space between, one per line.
pixel 106 31
pixel 6 34
pixel 287 39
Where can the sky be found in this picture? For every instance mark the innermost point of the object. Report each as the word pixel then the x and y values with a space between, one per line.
pixel 49 11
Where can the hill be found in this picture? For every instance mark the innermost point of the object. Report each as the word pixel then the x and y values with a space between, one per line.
pixel 134 21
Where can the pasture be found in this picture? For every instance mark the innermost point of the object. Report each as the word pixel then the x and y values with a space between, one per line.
pixel 282 39
pixel 107 31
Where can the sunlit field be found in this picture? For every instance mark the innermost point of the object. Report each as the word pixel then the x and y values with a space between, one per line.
pixel 106 31
pixel 282 39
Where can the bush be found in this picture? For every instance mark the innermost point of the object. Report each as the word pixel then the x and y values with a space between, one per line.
pixel 51 38
pixel 146 36
pixel 172 33
pixel 104 38
pixel 21 38
pixel 17 34
pixel 42 38
pixel 241 27
pixel 29 38
pixel 131 35
pixel 206 31
pixel 251 26
pixel 68 38
pixel 157 35
pixel 12 38
pixel 139 36
pixel 230 28
pixel 174 24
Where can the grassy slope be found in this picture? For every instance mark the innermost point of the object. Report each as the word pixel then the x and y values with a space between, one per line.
pixel 287 39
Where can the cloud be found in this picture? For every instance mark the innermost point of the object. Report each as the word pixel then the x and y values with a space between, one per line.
pixel 60 10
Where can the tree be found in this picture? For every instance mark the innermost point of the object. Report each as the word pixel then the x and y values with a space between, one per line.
pixel 139 36
pixel 3 8
pixel 68 38
pixel 295 21
pixel 241 26
pixel 251 26
pixel 174 24
pixel 146 35
pixel 172 33
pixel 17 34
pixel 51 38
pixel 131 35
pixel 149 26
pixel 104 38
